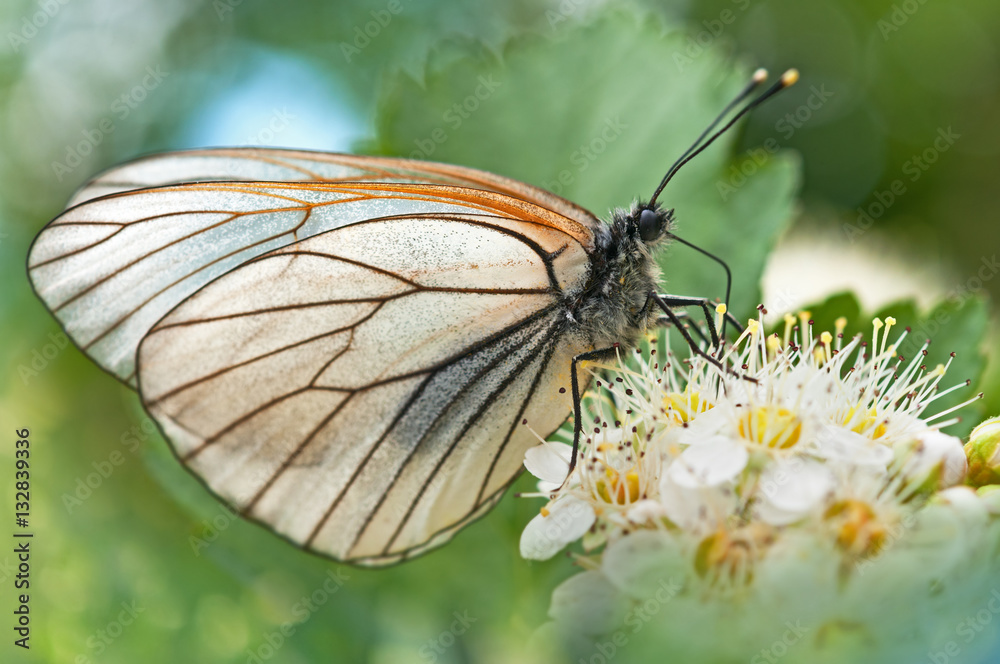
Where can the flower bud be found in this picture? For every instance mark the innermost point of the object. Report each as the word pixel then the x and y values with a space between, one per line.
pixel 983 453
pixel 932 461
pixel 990 496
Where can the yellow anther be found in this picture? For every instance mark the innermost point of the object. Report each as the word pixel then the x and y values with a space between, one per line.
pixel 683 407
pixel 544 512
pixel 857 527
pixel 867 421
pixel 840 324
pixel 939 370
pixel 877 322
pixel 618 489
pixel 789 319
pixel 889 321
pixel 824 354
pixel 773 427
pixel 804 316
pixel 790 77
pixel 721 309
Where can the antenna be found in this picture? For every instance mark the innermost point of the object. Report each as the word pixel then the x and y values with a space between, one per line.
pixel 758 77
pixel 787 79
pixel 729 276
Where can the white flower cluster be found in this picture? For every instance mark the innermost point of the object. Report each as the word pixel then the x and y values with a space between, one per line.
pixel 818 434
pixel 725 478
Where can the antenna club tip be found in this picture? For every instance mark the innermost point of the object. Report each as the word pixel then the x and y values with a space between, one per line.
pixel 790 77
pixel 760 75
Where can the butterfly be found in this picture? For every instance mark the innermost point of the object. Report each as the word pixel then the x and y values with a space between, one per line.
pixel 345 348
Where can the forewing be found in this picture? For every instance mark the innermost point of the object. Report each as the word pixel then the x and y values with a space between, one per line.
pixel 110 268
pixel 361 392
pixel 275 165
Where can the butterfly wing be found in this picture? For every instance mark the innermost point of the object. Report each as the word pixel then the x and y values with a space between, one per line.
pixel 111 267
pixel 276 165
pixel 361 391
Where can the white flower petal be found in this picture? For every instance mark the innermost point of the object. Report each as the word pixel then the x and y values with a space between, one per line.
pixel 813 389
pixel 940 449
pixel 698 510
pixel 645 510
pixel 990 497
pixel 549 462
pixel 567 520
pixel 768 512
pixel 588 603
pixel 706 425
pixel 948 532
pixel 966 504
pixel 709 463
pixel 547 487
pixel 839 444
pixel 791 488
pixel 646 562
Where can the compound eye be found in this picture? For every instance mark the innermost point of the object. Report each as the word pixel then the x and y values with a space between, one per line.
pixel 650 225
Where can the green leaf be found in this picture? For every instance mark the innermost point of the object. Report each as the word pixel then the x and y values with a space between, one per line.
pixel 596 112
pixel 955 326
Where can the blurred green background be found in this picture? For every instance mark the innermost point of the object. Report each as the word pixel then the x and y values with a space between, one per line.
pixel 883 182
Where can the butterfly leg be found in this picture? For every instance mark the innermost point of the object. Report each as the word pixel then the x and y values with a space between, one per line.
pixel 672 316
pixel 577 401
pixel 707 309
pixel 575 381
pixel 683 315
pixel 675 319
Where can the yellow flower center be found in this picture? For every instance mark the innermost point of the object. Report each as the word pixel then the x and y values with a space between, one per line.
pixel 617 489
pixel 682 407
pixel 732 554
pixel 867 425
pixel 857 527
pixel 771 426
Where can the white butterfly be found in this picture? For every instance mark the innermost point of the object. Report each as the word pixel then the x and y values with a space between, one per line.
pixel 344 348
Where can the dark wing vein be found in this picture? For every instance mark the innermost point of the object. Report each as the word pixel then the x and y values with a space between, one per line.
pixel 215 374
pixel 546 343
pixel 432 371
pixel 514 423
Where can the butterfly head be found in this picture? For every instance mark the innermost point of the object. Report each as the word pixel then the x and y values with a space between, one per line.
pixel 652 224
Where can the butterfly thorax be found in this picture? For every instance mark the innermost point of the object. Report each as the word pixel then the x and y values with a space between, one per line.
pixel 614 307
